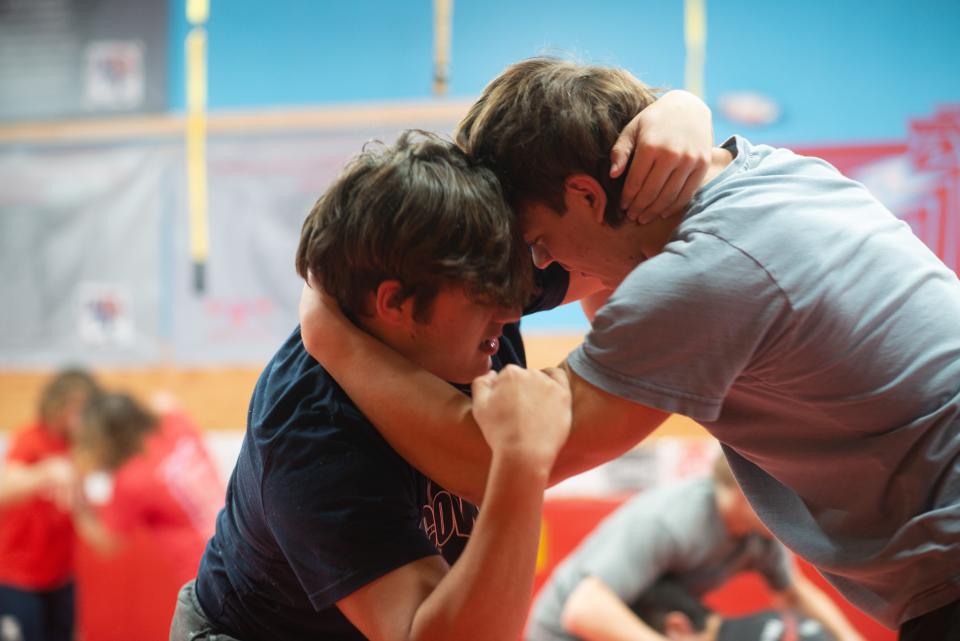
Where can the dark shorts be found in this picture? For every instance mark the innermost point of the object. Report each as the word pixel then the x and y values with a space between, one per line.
pixel 45 615
pixel 190 623
pixel 939 625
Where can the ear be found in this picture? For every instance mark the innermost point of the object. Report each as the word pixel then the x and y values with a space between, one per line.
pixel 676 625
pixel 583 191
pixel 389 307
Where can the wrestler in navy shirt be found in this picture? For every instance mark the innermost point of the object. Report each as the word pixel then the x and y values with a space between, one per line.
pixel 320 505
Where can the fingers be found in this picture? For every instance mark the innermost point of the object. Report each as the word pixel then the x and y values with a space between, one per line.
pixel 671 141
pixel 622 149
pixel 640 168
pixel 667 196
pixel 482 387
pixel 656 177
pixel 690 186
pixel 668 187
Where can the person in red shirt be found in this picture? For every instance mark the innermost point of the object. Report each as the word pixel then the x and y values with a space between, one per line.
pixel 36 530
pixel 155 474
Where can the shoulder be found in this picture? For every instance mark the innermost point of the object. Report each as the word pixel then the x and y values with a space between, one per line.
pixel 696 268
pixel 686 508
pixel 26 435
pixel 294 390
pixel 669 506
pixel 176 423
pixel 306 430
pixel 33 442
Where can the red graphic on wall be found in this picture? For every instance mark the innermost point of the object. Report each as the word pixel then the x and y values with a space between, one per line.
pixel 919 181
pixel 934 146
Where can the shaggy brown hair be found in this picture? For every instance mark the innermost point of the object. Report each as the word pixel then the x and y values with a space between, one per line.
pixel 114 427
pixel 545 119
pixel 63 387
pixel 421 212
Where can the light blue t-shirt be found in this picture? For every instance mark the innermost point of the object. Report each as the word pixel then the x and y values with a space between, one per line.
pixel 674 531
pixel 819 340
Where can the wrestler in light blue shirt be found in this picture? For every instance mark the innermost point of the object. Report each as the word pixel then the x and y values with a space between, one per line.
pixel 813 334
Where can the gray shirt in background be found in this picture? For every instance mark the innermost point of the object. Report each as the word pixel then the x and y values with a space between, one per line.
pixel 819 340
pixel 673 531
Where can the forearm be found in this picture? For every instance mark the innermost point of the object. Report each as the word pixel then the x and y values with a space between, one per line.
pixel 593 612
pixel 430 423
pixel 424 418
pixel 814 603
pixel 604 427
pixel 486 595
pixel 19 482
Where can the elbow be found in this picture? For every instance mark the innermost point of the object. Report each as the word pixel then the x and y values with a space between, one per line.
pixel 309 337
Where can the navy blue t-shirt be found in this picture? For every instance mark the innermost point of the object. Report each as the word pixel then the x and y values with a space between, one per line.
pixel 319 504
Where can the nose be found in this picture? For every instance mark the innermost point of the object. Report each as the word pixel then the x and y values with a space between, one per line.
pixel 541 257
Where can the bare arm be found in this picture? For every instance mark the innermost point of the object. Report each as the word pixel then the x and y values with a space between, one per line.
pixel 809 599
pixel 430 423
pixel 594 612
pixel 486 595
pixel 51 478
pixel 18 482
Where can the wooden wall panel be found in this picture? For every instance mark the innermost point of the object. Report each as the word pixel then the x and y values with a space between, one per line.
pixel 217 398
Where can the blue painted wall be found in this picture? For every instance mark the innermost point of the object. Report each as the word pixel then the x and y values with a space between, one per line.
pixel 841 71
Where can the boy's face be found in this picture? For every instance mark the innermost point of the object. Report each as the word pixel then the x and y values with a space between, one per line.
pixel 460 337
pixel 577 241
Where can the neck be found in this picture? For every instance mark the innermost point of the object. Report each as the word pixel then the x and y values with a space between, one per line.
pixel 387 334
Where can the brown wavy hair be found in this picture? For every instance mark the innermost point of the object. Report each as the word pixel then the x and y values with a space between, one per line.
pixel 545 119
pixel 421 212
pixel 114 427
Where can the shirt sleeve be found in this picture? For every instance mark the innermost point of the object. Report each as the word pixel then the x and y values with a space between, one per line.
pixel 342 507
pixel 682 327
pixel 23 448
pixel 552 284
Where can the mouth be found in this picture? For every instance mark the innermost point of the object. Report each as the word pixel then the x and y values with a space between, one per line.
pixel 490 346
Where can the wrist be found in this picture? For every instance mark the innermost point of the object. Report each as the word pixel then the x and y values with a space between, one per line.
pixel 522 466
